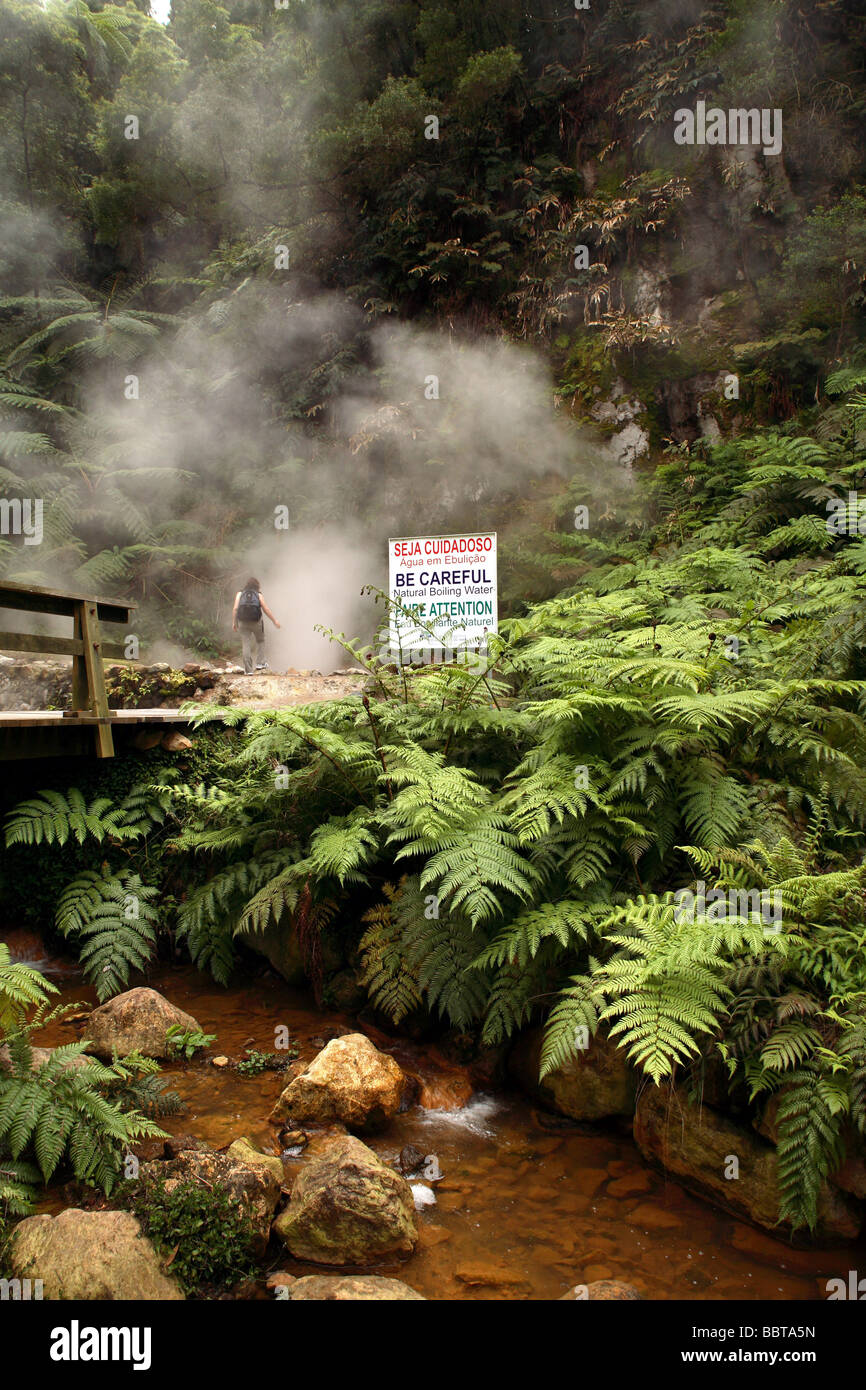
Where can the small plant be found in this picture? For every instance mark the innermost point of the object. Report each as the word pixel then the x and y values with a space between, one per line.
pixel 186 1042
pixel 61 1112
pixel 206 1236
pixel 256 1062
pixel 137 1085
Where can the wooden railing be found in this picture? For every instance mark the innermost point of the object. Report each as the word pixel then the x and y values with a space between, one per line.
pixel 85 646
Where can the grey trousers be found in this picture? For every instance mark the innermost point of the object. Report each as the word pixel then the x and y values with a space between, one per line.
pixel 252 632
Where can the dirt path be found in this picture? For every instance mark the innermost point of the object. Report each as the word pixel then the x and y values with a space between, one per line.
pixel 40 685
pixel 275 689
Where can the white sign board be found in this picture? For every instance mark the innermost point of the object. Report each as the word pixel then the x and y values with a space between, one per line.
pixel 449 585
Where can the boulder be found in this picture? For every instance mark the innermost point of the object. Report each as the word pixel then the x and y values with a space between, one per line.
pixel 280 946
pixel 146 739
pixel 593 1085
pixel 176 1143
pixel 90 1255
pixel 411 1159
pixel 602 1291
pixel 695 1144
pixel 349 1081
pixel 136 1021
pixel 242 1151
pixel 174 742
pixel 352 1288
pixel 249 1177
pixel 344 993
pixel 348 1208
pixel 851 1177
pixel 39 1056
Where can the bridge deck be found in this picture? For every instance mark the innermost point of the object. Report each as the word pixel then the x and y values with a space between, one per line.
pixel 55 733
pixel 55 718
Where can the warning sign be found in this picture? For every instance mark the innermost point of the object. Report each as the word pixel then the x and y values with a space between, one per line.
pixel 447 585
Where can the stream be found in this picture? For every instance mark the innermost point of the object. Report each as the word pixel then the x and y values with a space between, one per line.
pixel 523 1210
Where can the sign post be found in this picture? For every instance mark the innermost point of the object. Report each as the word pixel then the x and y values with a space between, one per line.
pixel 446 588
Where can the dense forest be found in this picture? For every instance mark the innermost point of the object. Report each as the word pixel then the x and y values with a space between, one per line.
pixel 238 246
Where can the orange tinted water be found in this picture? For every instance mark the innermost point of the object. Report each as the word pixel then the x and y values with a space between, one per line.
pixel 521 1212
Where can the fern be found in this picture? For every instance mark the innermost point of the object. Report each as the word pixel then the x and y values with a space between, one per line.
pixel 18 1181
pixel 483 859
pixel 570 923
pixel 386 974
pixel 21 988
pixel 111 919
pixel 811 1113
pixel 577 1009
pixel 52 818
pixel 58 1111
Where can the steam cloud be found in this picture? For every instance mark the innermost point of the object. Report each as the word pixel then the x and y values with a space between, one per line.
pixel 389 457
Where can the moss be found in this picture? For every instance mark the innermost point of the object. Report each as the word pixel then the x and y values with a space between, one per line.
pixel 587 366
pixel 129 687
pixel 30 879
pixel 209 1236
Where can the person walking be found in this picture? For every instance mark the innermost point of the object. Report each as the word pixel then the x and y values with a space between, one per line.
pixel 248 619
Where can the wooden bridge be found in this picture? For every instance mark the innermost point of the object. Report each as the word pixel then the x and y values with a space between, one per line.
pixel 89 726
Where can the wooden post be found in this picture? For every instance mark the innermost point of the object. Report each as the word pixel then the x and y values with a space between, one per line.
pixel 87 649
pixel 88 677
pixel 81 702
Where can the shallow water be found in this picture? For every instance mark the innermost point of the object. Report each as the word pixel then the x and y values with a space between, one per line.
pixel 521 1211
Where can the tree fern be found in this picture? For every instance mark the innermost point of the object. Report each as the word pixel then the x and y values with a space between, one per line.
pixel 58 1110
pixel 386 974
pixel 52 818
pixel 21 988
pixel 113 922
pixel 812 1110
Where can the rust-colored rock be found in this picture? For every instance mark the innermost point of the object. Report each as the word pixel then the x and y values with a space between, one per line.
pixel 696 1145
pixel 173 742
pixel 487 1274
pixel 593 1085
pixel 444 1091
pixel 602 1291
pixel 136 1021
pixel 90 1255
pixel 348 1208
pixel 354 1288
pixel 632 1185
pixel 146 739
pixel 349 1081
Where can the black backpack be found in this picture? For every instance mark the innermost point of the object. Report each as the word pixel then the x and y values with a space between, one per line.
pixel 249 606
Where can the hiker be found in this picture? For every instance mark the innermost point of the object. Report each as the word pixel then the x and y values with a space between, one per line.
pixel 247 619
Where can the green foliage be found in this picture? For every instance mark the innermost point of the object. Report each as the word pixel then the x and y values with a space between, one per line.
pixel 21 988
pixel 18 1180
pixel 256 1062
pixel 186 1042
pixel 53 818
pixel 386 974
pixel 207 1235
pixel 111 919
pixel 137 1085
pixel 693 702
pixel 59 1112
